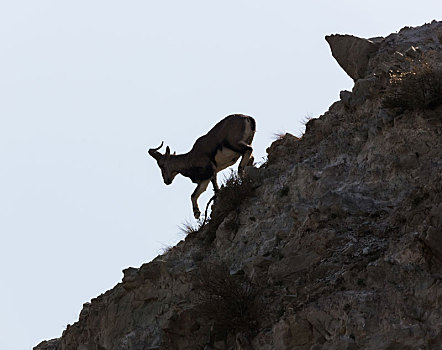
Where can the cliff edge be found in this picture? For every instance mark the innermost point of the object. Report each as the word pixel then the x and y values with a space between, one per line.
pixel 334 243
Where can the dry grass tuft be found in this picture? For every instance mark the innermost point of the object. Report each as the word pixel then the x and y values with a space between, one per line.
pixel 166 249
pixel 279 135
pixel 188 227
pixel 234 191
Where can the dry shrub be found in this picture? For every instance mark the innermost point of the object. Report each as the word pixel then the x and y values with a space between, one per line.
pixel 232 302
pixel 419 88
pixel 235 190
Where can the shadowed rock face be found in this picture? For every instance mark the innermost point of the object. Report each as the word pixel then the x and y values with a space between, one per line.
pixel 336 246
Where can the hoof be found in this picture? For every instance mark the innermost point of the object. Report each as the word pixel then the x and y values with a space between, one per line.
pixel 196 213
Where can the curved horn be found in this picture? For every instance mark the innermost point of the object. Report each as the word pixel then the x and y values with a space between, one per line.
pixel 154 152
pixel 156 149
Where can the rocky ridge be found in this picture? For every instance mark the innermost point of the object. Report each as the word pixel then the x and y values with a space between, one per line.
pixel 334 243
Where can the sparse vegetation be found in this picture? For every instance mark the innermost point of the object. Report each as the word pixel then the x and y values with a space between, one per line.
pixel 166 249
pixel 231 301
pixel 188 227
pixel 279 135
pixel 232 193
pixel 419 88
pixel 307 118
pixel 304 123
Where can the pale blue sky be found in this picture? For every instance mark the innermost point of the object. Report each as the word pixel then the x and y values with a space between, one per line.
pixel 87 86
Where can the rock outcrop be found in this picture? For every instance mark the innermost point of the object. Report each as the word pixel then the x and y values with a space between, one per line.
pixel 352 53
pixel 334 243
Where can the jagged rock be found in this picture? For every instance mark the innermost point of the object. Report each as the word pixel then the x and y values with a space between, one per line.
pixel 352 53
pixel 281 147
pixel 363 90
pixel 85 311
pixel 338 246
pixel 345 97
pixel 131 278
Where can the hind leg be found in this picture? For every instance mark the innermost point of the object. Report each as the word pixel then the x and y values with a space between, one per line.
pixel 215 184
pixel 247 159
pixel 245 150
pixel 214 180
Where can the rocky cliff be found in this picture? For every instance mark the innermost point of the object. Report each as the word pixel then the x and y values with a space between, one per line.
pixel 334 243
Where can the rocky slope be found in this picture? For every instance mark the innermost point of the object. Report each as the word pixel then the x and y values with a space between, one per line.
pixel 334 243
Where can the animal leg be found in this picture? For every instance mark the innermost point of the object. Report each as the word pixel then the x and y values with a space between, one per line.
pixel 245 146
pixel 247 159
pixel 215 184
pixel 246 151
pixel 213 179
pixel 198 190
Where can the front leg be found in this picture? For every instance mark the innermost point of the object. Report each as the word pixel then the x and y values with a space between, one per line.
pixel 202 185
pixel 215 184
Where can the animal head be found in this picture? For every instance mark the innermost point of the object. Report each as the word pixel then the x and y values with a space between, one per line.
pixel 163 161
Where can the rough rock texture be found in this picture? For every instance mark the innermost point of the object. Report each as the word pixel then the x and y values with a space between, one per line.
pixel 336 243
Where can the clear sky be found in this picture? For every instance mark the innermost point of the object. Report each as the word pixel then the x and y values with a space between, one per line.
pixel 86 87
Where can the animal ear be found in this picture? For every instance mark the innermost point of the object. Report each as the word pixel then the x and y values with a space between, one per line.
pixel 167 151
